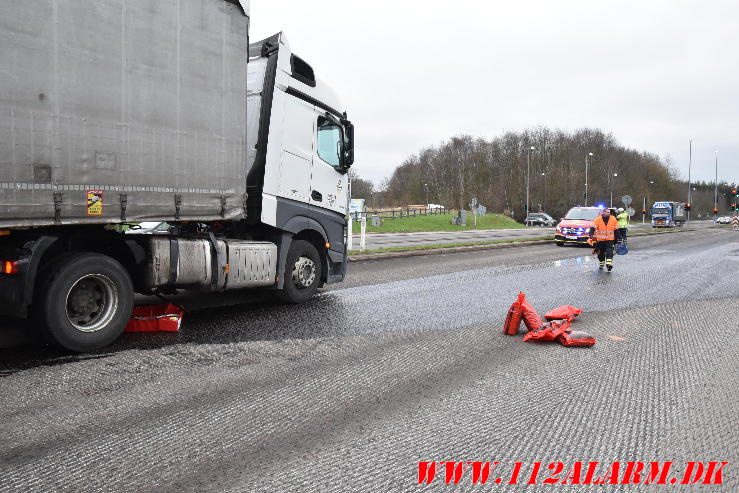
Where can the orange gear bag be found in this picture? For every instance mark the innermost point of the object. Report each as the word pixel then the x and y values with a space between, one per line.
pixel 513 319
pixel 566 312
pixel 548 332
pixel 531 318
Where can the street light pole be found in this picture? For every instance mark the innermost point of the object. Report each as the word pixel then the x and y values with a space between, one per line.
pixel 586 177
pixel 427 194
pixel 545 191
pixel 528 167
pixel 612 180
pixel 715 188
pixel 690 164
pixel 646 199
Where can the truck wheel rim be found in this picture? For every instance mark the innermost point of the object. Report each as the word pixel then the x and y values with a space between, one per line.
pixel 91 303
pixel 304 272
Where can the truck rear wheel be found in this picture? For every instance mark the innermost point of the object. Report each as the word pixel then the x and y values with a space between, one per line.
pixel 83 301
pixel 302 273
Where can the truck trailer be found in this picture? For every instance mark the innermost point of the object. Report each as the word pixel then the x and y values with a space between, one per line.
pixel 668 214
pixel 114 113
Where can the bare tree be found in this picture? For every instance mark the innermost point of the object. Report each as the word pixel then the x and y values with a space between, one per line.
pixel 494 171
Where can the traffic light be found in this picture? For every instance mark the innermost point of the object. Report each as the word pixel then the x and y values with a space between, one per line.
pixel 715 210
pixel 687 206
pixel 643 211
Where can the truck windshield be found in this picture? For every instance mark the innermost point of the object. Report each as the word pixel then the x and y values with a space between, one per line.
pixel 660 210
pixel 582 214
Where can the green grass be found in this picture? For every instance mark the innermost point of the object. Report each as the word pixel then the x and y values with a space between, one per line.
pixel 438 222
pixel 445 245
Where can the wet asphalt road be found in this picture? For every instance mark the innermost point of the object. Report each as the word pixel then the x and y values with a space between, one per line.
pixel 405 361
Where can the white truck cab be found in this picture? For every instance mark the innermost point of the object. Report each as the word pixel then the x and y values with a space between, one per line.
pixel 300 147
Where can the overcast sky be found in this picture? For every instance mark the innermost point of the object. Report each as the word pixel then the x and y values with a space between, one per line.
pixel 413 73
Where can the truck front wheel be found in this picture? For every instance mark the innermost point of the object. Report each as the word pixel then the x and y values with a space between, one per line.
pixel 83 301
pixel 302 272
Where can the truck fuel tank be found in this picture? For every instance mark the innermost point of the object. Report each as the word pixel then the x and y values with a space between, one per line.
pixel 205 265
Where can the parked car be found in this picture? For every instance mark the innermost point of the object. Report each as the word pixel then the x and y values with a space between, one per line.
pixel 539 219
pixel 575 226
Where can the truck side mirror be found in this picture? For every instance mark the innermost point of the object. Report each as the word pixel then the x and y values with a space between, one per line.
pixel 348 157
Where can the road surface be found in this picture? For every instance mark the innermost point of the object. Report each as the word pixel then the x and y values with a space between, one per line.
pixel 404 362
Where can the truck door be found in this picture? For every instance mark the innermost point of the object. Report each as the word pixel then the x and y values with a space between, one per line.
pixel 297 151
pixel 328 183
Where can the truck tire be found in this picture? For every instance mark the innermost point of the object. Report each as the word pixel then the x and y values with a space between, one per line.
pixel 83 301
pixel 302 273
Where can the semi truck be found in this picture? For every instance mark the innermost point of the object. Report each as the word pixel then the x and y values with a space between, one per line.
pixel 668 214
pixel 114 113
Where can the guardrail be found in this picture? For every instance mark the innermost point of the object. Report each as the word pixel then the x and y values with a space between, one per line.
pixel 399 213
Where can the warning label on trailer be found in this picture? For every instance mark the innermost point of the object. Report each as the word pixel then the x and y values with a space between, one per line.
pixel 94 202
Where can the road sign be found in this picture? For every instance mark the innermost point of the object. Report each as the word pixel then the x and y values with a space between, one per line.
pixel 626 199
pixel 630 211
pixel 356 205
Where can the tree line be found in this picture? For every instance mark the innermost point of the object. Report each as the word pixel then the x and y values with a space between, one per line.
pixel 495 171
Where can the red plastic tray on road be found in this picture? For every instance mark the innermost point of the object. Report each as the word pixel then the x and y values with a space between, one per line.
pixel 155 318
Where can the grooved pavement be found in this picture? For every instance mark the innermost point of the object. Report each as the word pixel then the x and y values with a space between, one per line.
pixel 368 380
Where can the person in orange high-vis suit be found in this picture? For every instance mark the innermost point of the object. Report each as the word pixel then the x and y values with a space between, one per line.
pixel 604 233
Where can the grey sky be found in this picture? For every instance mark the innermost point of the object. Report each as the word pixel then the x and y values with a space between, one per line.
pixel 413 73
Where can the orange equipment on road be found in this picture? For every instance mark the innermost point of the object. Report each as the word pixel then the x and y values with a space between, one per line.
pixel 557 328
pixel 513 319
pixel 155 318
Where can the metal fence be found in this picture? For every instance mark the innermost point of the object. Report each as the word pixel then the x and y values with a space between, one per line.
pixel 399 213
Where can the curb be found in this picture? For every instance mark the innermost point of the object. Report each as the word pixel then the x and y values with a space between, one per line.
pixel 494 246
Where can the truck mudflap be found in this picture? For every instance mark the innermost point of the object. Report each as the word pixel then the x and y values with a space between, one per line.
pixel 16 290
pixel 10 293
pixel 336 267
